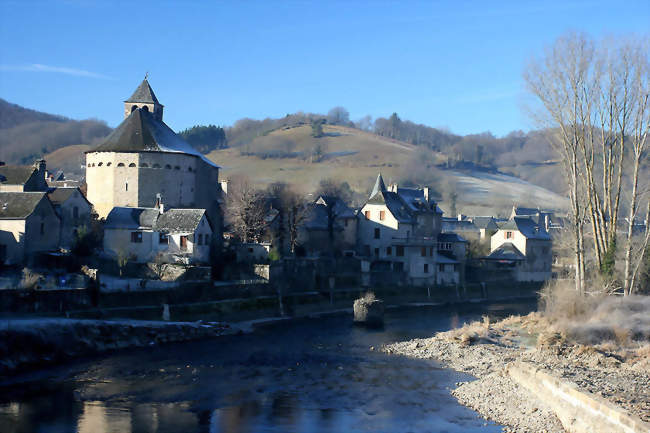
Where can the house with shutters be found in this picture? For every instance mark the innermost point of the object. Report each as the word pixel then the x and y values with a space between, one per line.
pixel 29 225
pixel 143 234
pixel 524 247
pixel 399 233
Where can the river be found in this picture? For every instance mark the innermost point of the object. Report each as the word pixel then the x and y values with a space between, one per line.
pixel 321 375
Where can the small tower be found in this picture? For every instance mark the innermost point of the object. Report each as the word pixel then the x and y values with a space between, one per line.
pixel 143 97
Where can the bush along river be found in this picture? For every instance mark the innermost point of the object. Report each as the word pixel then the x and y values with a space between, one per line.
pixel 319 375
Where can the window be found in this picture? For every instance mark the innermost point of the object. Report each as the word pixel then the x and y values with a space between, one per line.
pixel 132 164
pixel 156 166
pixel 366 250
pixel 183 243
pixel 399 251
pixel 206 239
pixel 88 164
pixel 176 167
pixel 455 268
pixel 189 168
pixel 430 251
pixel 376 252
pixel 426 268
pixel 100 164
pixel 168 167
pixel 126 186
pixel 346 223
pixel 389 251
pixel 163 239
pixel 423 252
pixel 136 237
pixel 200 242
pixel 508 235
pixel 382 215
pixel 121 164
pixel 367 214
pixel 398 266
pixel 441 268
pixel 108 164
pixel 377 233
pixel 75 212
pixel 250 250
pixel 144 165
pixel 42 229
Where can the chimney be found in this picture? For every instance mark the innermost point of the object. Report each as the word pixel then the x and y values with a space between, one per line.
pixel 547 218
pixel 40 166
pixel 159 204
pixel 392 187
pixel 224 186
pixel 460 217
pixel 426 193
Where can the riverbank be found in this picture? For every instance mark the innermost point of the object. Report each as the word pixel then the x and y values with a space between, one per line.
pixel 485 350
pixel 32 343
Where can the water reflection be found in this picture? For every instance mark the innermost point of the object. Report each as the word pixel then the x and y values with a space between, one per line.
pixel 307 377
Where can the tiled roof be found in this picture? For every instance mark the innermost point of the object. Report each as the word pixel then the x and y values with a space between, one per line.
pixel 527 227
pixel 15 174
pixel 142 132
pixel 179 220
pixel 18 205
pixel 144 93
pixel 506 251
pixel 450 237
pixel 138 218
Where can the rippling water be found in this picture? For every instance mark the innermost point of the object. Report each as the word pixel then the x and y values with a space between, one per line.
pixel 309 376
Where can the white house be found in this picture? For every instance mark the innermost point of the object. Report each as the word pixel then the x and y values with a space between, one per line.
pixel 524 246
pixel 180 235
pixel 399 232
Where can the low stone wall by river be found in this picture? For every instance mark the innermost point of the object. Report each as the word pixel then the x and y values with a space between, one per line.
pixel 31 343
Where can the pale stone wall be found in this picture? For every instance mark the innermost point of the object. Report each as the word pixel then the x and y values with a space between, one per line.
pixel 119 240
pixel 134 179
pixel 11 188
pixel 42 229
pixel 69 224
pixel 499 238
pixel 12 236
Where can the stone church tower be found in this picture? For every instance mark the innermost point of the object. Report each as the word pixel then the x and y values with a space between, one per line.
pixel 143 157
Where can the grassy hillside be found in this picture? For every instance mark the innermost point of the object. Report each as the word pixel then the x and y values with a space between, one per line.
pixel 26 135
pixel 356 157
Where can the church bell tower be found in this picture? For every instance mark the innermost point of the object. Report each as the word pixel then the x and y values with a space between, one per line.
pixel 144 98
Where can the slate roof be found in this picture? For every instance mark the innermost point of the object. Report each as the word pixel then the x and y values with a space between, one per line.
pixel 506 251
pixel 16 174
pixel 19 205
pixel 317 218
pixel 527 227
pixel 453 225
pixel 60 195
pixel 450 237
pixel 142 132
pixel 179 220
pixel 525 211
pixel 144 93
pixel 403 204
pixel 138 218
pixel 484 222
pixel 341 210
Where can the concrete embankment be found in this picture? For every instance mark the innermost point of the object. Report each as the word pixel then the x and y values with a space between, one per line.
pixel 578 410
pixel 33 343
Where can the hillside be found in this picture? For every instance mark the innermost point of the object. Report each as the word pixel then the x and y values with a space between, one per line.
pixel 26 135
pixel 356 157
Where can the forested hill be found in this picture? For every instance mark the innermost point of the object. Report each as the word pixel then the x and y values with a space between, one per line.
pixel 26 135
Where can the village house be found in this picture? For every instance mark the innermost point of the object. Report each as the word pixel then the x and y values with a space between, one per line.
pixel 330 226
pixel 144 234
pixel 23 178
pixel 29 225
pixel 74 211
pixel 400 234
pixel 473 228
pixel 143 157
pixel 522 246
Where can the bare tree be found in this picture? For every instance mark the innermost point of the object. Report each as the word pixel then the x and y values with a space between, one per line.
pixel 245 209
pixel 562 82
pixel 293 211
pixel 338 116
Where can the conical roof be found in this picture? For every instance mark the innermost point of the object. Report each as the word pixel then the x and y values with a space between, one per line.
pixel 142 132
pixel 379 186
pixel 144 93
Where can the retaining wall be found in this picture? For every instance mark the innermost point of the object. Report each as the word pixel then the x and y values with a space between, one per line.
pixel 579 411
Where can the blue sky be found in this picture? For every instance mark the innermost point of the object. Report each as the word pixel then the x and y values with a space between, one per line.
pixel 452 64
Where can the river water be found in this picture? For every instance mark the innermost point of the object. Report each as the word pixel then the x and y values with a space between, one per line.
pixel 308 376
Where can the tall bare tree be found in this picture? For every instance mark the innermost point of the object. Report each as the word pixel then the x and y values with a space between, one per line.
pixel 245 209
pixel 563 82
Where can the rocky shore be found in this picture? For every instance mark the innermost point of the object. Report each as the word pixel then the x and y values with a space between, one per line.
pixel 34 343
pixel 484 350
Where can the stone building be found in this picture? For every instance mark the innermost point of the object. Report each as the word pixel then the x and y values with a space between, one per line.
pixel 28 225
pixel 523 247
pixel 74 211
pixel 330 226
pixel 23 178
pixel 143 157
pixel 142 234
pixel 399 232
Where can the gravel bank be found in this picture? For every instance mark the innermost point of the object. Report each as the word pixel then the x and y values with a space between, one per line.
pixel 483 350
